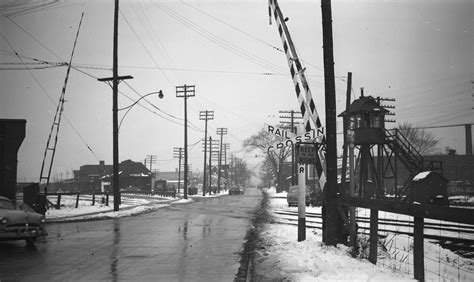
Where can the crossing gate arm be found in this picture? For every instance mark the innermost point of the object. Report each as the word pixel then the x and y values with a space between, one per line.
pixel 306 103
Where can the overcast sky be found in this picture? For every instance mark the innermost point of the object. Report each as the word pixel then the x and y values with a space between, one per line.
pixel 419 52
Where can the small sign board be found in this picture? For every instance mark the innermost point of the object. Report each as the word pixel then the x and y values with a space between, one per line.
pixel 307 153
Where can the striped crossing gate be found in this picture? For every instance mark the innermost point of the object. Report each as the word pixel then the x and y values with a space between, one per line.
pixel 306 103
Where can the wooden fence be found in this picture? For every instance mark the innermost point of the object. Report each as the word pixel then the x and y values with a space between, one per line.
pixel 419 213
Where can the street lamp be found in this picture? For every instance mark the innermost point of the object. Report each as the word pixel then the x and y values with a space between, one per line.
pixel 128 108
pixel 115 178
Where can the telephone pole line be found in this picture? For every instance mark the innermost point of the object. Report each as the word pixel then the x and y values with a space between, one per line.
pixel 205 115
pixel 220 131
pixel 178 153
pixel 185 91
pixel 115 81
pixel 151 159
pixel 226 168
pixel 212 145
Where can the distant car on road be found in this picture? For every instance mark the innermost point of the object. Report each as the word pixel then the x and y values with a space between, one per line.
pixel 235 190
pixel 292 197
pixel 20 222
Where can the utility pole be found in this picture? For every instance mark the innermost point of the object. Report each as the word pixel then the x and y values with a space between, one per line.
pixel 151 159
pixel 205 115
pixel 115 81
pixel 185 91
pixel 226 147
pixel 349 147
pixel 231 169
pixel 210 165
pixel 468 133
pixel 330 217
pixel 293 115
pixel 212 146
pixel 178 153
pixel 387 107
pixel 220 131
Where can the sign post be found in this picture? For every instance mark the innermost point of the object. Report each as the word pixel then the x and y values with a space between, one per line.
pixel 307 153
pixel 301 202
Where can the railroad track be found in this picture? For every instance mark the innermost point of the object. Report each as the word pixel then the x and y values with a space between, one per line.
pixel 457 237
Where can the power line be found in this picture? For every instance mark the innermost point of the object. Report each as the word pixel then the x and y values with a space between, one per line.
pixel 34 38
pixel 218 40
pixel 442 126
pixel 51 100
pixel 144 47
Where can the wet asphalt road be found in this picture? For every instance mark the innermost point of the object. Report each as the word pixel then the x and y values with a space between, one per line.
pixel 189 242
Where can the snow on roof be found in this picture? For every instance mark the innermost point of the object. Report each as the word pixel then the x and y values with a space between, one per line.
pixel 140 174
pixel 421 175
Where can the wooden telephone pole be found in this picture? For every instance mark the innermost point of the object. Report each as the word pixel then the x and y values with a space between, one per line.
pixel 220 131
pixel 331 217
pixel 115 81
pixel 185 92
pixel 205 115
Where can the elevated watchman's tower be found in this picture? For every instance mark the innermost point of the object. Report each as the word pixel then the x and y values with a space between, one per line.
pixel 366 121
pixel 376 176
pixel 366 128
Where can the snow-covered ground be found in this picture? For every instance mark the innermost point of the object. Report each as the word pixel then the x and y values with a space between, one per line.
pixel 283 258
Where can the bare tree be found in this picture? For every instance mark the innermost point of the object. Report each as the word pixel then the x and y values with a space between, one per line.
pixel 422 140
pixel 261 141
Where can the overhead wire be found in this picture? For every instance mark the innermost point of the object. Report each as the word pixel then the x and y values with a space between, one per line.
pixel 144 47
pixel 51 100
pixel 32 67
pixel 154 37
pixel 33 37
pixel 217 39
pixel 248 34
pixel 25 8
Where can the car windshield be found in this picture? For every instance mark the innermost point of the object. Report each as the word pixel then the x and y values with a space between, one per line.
pixel 295 189
pixel 7 205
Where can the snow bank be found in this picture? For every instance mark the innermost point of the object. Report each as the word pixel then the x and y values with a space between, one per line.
pixel 285 259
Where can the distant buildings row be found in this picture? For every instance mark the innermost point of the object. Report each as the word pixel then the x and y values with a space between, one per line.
pixel 133 176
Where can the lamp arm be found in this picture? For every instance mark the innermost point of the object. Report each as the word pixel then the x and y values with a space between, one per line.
pixel 131 106
pixel 128 107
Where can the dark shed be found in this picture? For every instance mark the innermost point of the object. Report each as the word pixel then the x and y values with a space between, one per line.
pixel 429 187
pixel 12 133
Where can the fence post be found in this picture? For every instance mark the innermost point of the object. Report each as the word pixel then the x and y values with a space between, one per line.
pixel 418 249
pixel 77 200
pixel 58 204
pixel 93 198
pixel 107 198
pixel 374 228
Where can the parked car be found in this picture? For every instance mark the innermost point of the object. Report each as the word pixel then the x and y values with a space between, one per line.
pixel 235 190
pixel 20 222
pixel 292 197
